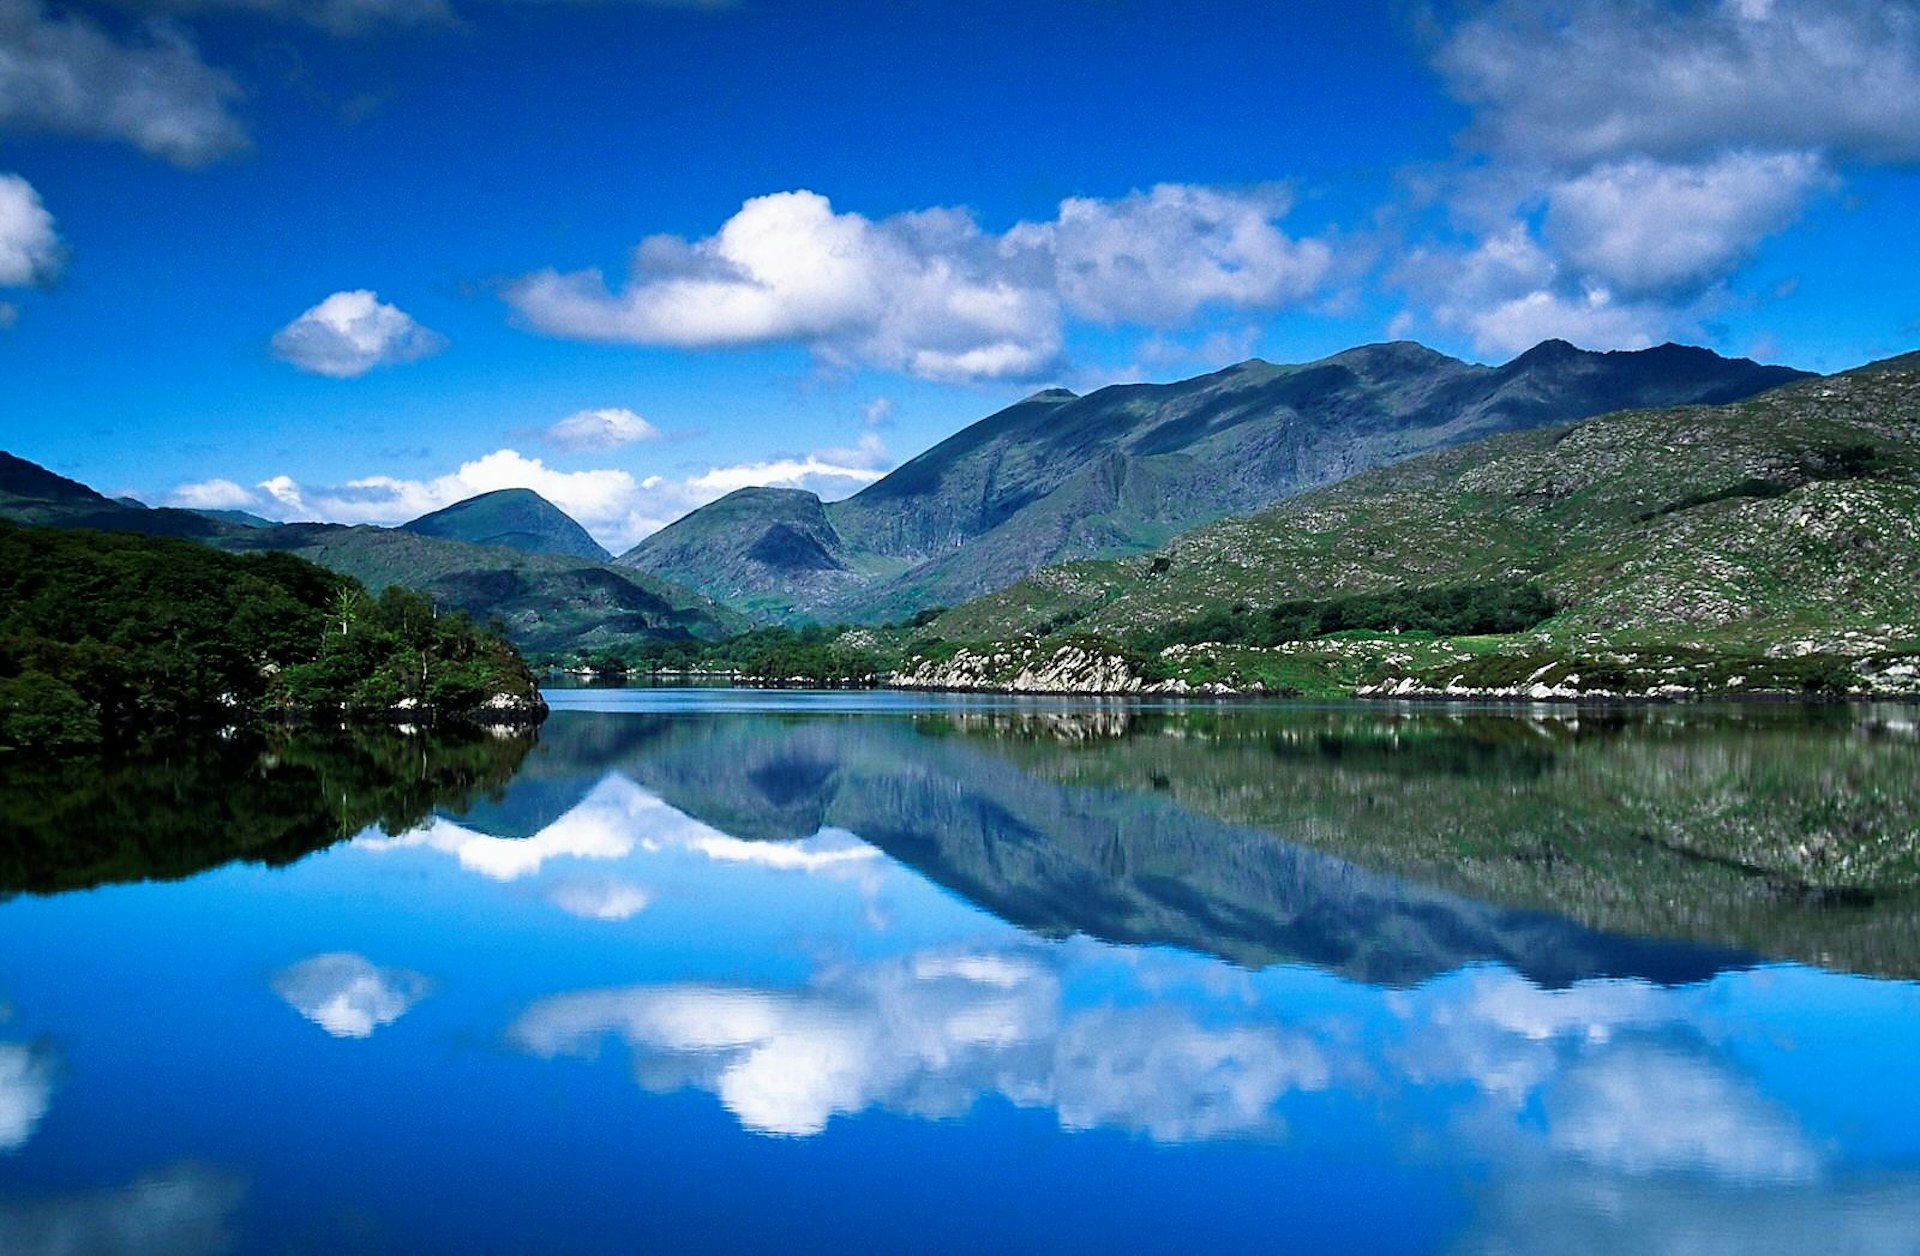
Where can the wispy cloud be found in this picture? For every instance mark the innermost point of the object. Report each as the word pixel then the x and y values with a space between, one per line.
pixel 65 75
pixel 351 333
pixel 600 430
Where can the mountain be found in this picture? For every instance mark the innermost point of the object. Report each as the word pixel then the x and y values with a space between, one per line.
pixel 516 518
pixel 551 603
pixel 1120 861
pixel 1781 526
pixel 1124 469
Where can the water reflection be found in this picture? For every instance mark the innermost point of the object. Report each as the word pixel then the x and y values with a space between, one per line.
pixel 929 1035
pixel 1388 845
pixel 346 995
pixel 692 972
pixel 180 1210
pixel 28 1071
pixel 174 808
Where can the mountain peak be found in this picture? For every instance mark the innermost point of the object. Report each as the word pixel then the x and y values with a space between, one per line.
pixel 516 518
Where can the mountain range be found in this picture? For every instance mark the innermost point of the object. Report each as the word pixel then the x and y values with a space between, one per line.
pixel 512 555
pixel 1784 527
pixel 1053 478
pixel 1124 469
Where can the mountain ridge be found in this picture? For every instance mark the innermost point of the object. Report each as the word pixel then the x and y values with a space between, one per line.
pixel 1125 468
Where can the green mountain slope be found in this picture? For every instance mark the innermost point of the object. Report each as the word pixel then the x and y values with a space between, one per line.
pixel 551 604
pixel 1783 523
pixel 1124 469
pixel 516 518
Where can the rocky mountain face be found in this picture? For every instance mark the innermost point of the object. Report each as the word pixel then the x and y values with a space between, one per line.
pixel 1122 470
pixel 551 602
pixel 514 518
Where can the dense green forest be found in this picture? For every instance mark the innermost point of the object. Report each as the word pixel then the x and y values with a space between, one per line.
pixel 107 634
pixel 814 653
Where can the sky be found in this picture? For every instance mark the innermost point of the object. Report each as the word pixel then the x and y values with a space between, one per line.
pixel 354 260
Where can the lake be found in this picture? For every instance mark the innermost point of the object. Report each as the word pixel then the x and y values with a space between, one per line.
pixel 709 970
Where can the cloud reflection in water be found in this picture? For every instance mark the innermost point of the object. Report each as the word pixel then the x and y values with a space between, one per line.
pixel 346 994
pixel 27 1077
pixel 929 1035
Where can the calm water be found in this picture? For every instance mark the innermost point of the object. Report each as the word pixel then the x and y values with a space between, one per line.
pixel 725 971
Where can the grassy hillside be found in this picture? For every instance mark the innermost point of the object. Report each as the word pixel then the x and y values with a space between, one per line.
pixel 1786 524
pixel 513 518
pixel 551 604
pixel 1124 469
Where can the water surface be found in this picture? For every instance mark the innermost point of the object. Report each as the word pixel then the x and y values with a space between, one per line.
pixel 737 971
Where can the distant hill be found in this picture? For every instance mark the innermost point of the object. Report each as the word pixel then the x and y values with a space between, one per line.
pixel 516 518
pixel 1125 469
pixel 551 603
pixel 1784 522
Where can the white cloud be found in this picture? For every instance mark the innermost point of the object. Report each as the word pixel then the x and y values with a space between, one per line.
pixel 64 75
pixel 1157 257
pixel 350 333
pixel 602 501
pixel 213 495
pixel 27 1075
pixel 1587 81
pixel 346 995
pixel 1639 1108
pixel 1643 226
pixel 608 823
pixel 617 509
pixel 600 430
pixel 601 900
pixel 930 293
pixel 1508 293
pixel 931 1034
pixel 30 250
pixel 1644 151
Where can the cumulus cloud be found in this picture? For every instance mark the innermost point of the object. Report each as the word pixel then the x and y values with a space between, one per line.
pixel 30 249
pixel 1582 81
pixel 346 995
pixel 1508 293
pixel 930 293
pixel 181 1210
pixel 1642 226
pixel 350 333
pixel 929 1035
pixel 600 430
pixel 27 1074
pixel 1645 151
pixel 1158 257
pixel 65 75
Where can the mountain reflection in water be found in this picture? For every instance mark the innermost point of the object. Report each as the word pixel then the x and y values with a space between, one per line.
pixel 773 972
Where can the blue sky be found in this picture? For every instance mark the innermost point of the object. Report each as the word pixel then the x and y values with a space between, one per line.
pixel 355 259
